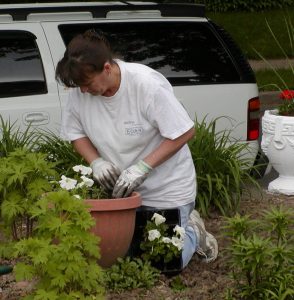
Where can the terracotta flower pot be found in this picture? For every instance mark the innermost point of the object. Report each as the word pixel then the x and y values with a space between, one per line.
pixel 115 224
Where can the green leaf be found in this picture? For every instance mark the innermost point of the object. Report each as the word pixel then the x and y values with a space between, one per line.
pixel 46 295
pixel 18 174
pixel 42 255
pixel 23 271
pixel 13 206
pixel 59 281
pixel 37 187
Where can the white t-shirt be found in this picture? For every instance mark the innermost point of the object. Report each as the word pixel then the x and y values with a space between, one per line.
pixel 129 125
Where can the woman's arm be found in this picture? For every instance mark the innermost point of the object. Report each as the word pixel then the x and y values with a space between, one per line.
pixel 168 148
pixel 86 149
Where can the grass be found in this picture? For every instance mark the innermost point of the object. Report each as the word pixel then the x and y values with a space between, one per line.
pixel 268 80
pixel 250 31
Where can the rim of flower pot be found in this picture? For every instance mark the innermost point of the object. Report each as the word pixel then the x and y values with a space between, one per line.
pixel 130 202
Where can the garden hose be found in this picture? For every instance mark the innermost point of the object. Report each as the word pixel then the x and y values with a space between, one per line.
pixel 5 269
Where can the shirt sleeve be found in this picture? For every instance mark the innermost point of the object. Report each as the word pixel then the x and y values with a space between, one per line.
pixel 167 113
pixel 71 127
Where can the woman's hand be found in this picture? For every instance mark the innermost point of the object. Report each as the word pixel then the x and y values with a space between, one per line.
pixel 105 172
pixel 130 179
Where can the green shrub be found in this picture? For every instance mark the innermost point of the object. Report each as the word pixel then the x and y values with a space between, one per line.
pixel 129 274
pixel 62 254
pixel 261 255
pixel 221 169
pixel 24 177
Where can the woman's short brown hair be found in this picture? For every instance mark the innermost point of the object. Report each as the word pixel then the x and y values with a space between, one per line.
pixel 85 55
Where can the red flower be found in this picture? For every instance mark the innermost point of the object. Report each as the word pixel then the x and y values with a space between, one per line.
pixel 287 94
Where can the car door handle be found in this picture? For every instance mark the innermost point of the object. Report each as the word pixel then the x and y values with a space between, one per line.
pixel 36 118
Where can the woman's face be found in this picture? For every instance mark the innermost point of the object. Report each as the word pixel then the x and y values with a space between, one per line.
pixel 101 83
pixel 96 85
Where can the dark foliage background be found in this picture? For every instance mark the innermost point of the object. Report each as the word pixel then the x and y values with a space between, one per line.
pixel 211 5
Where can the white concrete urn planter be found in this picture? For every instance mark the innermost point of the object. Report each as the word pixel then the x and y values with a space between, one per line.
pixel 278 145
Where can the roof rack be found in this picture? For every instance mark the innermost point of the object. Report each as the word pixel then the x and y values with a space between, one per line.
pixel 21 12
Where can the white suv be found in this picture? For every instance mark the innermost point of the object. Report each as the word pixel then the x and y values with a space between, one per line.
pixel 209 74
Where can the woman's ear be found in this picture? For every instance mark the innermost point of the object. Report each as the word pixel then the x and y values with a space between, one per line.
pixel 107 68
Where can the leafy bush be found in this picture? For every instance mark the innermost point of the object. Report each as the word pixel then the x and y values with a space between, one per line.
pixel 129 274
pixel 24 177
pixel 62 255
pixel 221 169
pixel 261 255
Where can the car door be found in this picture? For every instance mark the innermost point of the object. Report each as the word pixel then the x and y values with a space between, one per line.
pixel 28 90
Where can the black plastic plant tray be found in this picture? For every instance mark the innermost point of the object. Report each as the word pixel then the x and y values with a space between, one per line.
pixel 172 216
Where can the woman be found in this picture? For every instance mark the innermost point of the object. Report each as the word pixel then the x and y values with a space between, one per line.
pixel 124 119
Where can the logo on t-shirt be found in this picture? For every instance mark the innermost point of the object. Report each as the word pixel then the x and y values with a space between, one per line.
pixel 134 131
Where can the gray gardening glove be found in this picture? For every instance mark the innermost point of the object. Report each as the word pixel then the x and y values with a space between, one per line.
pixel 130 179
pixel 105 172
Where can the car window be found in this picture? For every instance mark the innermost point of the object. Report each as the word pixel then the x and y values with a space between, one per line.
pixel 21 69
pixel 186 52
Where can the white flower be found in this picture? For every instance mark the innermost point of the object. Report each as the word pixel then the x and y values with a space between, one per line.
pixel 82 169
pixel 80 185
pixel 77 196
pixel 179 243
pixel 158 219
pixel 77 168
pixel 67 183
pixel 166 240
pixel 179 231
pixel 153 234
pixel 87 181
